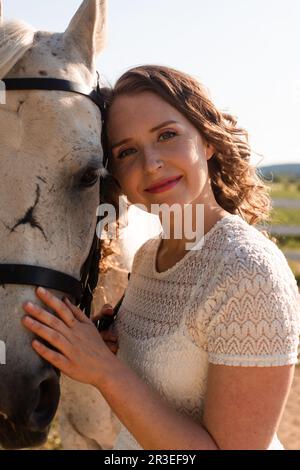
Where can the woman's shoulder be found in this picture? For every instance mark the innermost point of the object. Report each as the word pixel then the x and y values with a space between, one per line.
pixel 256 297
pixel 249 253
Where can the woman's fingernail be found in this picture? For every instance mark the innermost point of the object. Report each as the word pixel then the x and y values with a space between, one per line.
pixel 28 320
pixel 41 290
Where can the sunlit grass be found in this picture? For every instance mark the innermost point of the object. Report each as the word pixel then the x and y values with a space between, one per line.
pixel 285 190
pixel 285 216
pixel 295 267
pixel 288 243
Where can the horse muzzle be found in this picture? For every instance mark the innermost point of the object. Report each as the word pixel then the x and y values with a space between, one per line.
pixel 33 407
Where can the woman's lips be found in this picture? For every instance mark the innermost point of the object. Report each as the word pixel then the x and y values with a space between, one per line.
pixel 164 187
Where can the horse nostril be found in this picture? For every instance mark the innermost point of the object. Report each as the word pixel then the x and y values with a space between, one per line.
pixel 46 404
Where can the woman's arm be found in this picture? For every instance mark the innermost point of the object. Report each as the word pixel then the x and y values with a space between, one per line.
pixel 244 405
pixel 82 355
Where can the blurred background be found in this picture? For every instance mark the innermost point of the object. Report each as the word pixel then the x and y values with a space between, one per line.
pixel 285 216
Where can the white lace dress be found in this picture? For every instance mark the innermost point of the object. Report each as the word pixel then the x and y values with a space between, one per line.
pixel 233 301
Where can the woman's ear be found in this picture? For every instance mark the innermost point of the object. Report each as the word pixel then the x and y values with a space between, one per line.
pixel 209 151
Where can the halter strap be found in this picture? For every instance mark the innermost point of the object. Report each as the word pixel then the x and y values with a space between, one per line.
pixel 36 275
pixel 55 84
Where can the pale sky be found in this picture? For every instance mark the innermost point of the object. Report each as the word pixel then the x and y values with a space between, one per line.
pixel 245 51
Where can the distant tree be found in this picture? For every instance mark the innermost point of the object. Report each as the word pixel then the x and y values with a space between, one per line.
pixel 286 183
pixel 293 179
pixel 277 178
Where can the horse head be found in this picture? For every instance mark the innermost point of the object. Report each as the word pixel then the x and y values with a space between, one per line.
pixel 50 165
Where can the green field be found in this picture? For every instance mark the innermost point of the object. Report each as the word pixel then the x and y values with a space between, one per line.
pixel 288 243
pixel 293 244
pixel 285 190
pixel 285 216
pixel 295 267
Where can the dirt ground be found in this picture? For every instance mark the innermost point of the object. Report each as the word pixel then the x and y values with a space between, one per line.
pixel 289 429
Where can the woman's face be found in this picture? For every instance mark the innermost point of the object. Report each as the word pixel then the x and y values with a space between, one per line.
pixel 152 142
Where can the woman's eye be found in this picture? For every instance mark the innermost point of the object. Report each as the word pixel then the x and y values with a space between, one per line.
pixel 89 178
pixel 167 135
pixel 126 152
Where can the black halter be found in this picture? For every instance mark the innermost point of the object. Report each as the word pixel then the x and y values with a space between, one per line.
pixel 81 290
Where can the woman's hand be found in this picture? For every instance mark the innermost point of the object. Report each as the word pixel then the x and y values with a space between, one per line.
pixel 78 349
pixel 108 335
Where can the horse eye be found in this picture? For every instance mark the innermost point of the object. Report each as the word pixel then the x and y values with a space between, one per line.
pixel 89 178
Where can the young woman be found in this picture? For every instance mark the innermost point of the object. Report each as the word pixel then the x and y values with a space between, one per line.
pixel 207 336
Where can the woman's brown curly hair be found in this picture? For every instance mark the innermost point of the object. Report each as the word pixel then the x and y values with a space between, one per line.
pixel 236 185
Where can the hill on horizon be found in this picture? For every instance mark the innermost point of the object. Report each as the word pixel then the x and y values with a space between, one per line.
pixel 285 169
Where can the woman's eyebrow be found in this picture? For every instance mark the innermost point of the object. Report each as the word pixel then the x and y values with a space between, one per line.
pixel 120 143
pixel 163 124
pixel 159 126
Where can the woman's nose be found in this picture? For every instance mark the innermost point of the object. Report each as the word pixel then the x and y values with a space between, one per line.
pixel 152 160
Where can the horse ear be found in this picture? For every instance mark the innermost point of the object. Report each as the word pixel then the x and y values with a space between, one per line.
pixel 87 30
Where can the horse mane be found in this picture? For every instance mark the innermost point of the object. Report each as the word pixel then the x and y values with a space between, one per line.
pixel 16 37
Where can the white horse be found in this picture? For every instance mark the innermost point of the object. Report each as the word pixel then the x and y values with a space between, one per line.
pixel 50 149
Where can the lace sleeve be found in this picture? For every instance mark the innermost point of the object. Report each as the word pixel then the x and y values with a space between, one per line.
pixel 257 322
